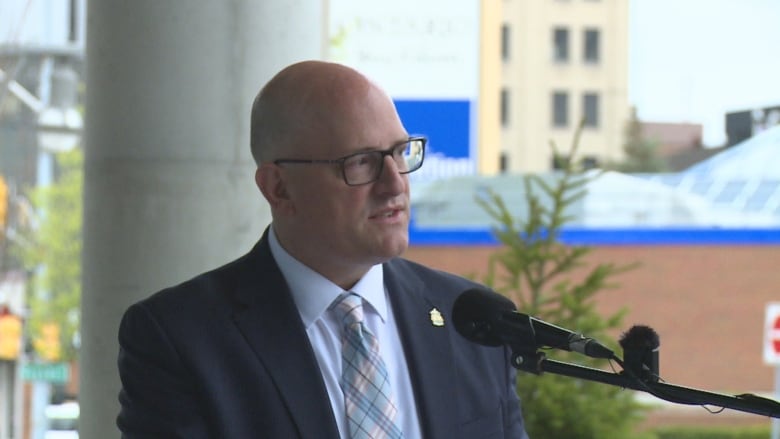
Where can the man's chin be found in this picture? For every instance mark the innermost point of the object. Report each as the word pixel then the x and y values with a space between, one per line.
pixel 396 248
pixel 390 246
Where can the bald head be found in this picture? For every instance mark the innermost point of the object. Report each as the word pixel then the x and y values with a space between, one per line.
pixel 306 122
pixel 305 101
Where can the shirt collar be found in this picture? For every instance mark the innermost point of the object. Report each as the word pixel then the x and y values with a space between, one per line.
pixel 313 293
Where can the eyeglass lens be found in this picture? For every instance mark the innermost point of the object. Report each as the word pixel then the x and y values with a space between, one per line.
pixel 365 167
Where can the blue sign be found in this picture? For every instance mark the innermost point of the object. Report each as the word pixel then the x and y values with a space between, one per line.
pixel 448 126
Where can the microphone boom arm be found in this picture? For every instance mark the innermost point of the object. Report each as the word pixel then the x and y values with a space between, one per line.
pixel 537 363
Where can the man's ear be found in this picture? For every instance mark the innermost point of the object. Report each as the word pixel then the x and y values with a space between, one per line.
pixel 271 182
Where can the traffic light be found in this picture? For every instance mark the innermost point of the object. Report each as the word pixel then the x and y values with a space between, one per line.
pixel 47 343
pixel 3 203
pixel 10 334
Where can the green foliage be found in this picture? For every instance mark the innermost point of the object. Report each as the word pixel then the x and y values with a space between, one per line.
pixel 550 280
pixel 641 153
pixel 52 252
pixel 755 432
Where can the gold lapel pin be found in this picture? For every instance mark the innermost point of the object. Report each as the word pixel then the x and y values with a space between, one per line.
pixel 436 317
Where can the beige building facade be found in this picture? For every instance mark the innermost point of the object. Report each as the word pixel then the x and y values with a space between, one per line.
pixel 562 62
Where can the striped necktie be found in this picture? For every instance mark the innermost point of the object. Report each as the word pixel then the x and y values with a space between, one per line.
pixel 370 410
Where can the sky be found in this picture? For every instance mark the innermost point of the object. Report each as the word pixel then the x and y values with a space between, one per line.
pixel 690 60
pixel 695 60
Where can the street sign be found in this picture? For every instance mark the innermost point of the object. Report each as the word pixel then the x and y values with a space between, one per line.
pixel 772 334
pixel 47 372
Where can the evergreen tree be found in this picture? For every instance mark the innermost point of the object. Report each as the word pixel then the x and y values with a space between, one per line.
pixel 641 153
pixel 548 279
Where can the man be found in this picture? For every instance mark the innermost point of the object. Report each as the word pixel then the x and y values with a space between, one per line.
pixel 255 349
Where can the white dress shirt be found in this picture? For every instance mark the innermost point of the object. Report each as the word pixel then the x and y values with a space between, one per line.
pixel 313 295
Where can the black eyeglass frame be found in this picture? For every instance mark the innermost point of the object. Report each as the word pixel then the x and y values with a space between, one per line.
pixel 384 153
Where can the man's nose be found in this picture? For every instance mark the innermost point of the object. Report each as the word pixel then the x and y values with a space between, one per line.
pixel 391 174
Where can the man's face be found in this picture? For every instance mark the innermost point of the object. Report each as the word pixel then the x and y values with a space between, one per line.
pixel 336 224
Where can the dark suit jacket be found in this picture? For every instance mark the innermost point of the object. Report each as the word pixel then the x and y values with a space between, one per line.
pixel 225 355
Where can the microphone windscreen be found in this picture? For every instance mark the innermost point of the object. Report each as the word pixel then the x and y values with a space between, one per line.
pixel 477 312
pixel 640 337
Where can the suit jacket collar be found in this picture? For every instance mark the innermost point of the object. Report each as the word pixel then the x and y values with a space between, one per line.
pixel 271 324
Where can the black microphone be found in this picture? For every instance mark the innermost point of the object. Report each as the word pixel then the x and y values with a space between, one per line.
pixel 640 352
pixel 488 318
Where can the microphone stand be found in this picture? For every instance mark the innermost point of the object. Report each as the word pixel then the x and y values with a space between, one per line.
pixel 537 363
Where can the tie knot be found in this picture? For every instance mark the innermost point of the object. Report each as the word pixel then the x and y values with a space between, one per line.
pixel 349 309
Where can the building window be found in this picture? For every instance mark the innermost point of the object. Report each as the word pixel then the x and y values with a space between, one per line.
pixel 591 49
pixel 590 162
pixel 590 109
pixel 505 35
pixel 505 107
pixel 561 44
pixel 560 109
pixel 503 162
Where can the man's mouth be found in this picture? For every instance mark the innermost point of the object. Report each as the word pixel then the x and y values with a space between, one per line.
pixel 390 213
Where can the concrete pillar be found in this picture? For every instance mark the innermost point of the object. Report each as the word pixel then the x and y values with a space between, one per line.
pixel 169 187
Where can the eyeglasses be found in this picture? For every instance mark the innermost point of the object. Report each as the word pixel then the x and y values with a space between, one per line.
pixel 366 166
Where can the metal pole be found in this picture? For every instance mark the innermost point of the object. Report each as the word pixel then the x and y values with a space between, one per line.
pixel 19 418
pixel 6 408
pixel 775 421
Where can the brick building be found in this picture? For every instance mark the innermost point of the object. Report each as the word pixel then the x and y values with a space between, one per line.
pixel 707 303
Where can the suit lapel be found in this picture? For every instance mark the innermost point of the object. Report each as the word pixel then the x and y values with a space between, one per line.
pixel 269 320
pixel 428 351
pixel 271 324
